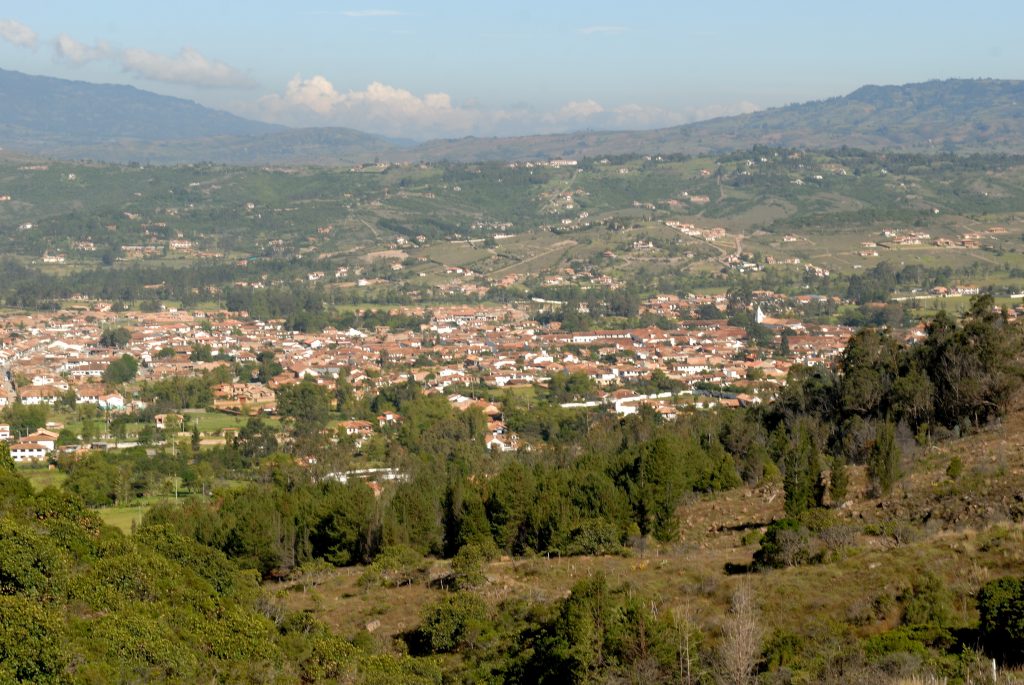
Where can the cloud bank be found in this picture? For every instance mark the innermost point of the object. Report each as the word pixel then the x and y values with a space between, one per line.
pixel 16 33
pixel 385 109
pixel 188 67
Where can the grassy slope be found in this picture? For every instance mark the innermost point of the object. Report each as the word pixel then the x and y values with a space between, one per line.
pixel 965 532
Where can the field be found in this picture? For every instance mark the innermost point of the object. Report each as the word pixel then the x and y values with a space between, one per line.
pixel 43 478
pixel 436 218
pixel 124 518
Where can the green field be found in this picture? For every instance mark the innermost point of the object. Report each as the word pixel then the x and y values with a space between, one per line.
pixel 125 518
pixel 41 478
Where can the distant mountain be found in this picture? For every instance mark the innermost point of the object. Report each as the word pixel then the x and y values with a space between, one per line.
pixel 75 119
pixel 72 119
pixel 81 112
pixel 983 115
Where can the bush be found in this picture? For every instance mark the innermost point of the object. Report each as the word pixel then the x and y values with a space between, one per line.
pixel 394 567
pixel 1001 606
pixel 955 468
pixel 455 621
pixel 785 543
pixel 467 567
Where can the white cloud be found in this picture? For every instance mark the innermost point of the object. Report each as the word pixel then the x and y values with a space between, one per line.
pixel 74 51
pixel 188 67
pixel 605 30
pixel 388 110
pixel 578 109
pixel 380 108
pixel 16 33
pixel 372 13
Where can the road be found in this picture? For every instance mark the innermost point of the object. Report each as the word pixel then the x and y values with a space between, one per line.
pixel 5 381
pixel 561 245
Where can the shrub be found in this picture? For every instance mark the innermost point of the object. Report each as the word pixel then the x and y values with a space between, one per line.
pixel 1001 606
pixel 785 543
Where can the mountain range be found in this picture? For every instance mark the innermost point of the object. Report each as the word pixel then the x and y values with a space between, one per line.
pixel 50 117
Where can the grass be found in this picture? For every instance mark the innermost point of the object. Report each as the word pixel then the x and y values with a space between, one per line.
pixel 215 422
pixel 42 478
pixel 124 518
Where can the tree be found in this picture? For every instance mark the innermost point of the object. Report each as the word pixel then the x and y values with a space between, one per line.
pixel 839 480
pixel 802 465
pixel 201 353
pixel 741 642
pixel 454 622
pixel 869 366
pixel 256 439
pixel 121 370
pixel 115 337
pixel 6 462
pixel 24 418
pixel 342 533
pixel 883 460
pixel 1001 606
pixel 344 395
pixel 975 365
pixel 306 404
pixel 657 483
pixel 467 567
pixel 414 518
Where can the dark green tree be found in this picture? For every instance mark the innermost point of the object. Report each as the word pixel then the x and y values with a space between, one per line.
pixel 883 460
pixel 802 471
pixel 307 404
pixel 6 462
pixel 839 480
pixel 121 370
pixel 1001 608
pixel 256 439
pixel 115 337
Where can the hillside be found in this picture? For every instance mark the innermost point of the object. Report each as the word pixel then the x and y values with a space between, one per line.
pixel 75 120
pixel 954 115
pixel 114 123
pixel 79 113
pixel 849 617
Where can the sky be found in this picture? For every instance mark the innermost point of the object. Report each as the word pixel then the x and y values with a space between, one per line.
pixel 452 68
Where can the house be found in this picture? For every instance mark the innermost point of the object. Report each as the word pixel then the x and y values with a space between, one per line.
pixel 163 420
pixel 5 431
pixel 501 443
pixel 47 439
pixel 39 394
pixel 27 451
pixel 360 429
pixel 388 418
pixel 112 401
pixel 246 398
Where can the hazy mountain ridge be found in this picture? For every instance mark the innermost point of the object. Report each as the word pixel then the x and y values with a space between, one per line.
pixel 957 115
pixel 73 119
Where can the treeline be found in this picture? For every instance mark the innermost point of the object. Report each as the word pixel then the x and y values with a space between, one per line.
pixel 883 399
pixel 626 486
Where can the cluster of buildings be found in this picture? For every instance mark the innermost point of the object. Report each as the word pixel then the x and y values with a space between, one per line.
pixel 48 357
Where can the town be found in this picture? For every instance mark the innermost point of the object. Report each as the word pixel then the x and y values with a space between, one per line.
pixel 64 360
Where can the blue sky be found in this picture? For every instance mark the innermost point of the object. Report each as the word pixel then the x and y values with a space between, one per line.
pixel 453 68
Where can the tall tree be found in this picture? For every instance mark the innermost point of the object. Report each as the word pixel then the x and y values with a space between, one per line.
pixel 306 404
pixel 883 460
pixel 802 465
